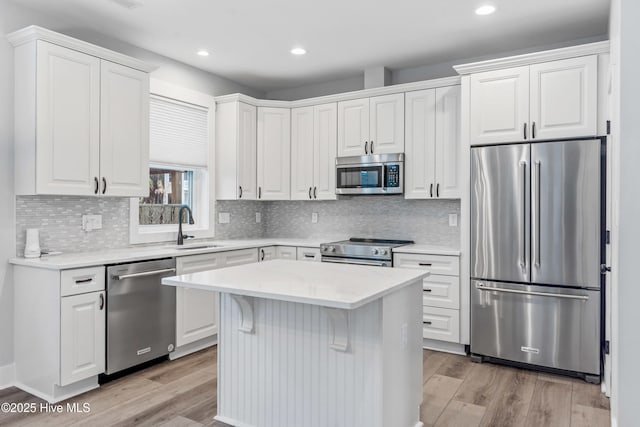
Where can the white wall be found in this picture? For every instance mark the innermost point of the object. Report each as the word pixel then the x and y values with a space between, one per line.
pixel 407 75
pixel 13 17
pixel 625 38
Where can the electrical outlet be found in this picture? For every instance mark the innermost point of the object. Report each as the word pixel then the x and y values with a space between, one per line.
pixel 453 220
pixel 258 217
pixel 224 218
pixel 91 222
pixel 314 217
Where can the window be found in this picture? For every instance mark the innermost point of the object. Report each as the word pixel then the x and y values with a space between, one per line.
pixel 180 172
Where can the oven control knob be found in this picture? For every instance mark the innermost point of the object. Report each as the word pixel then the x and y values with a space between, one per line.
pixel 331 249
pixel 375 251
pixel 383 251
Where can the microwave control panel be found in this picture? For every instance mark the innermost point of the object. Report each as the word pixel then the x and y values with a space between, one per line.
pixel 392 176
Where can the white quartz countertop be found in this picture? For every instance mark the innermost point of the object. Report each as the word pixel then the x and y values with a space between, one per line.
pixel 115 256
pixel 318 283
pixel 426 249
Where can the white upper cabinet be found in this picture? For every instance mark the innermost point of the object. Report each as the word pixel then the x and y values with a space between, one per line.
pixel 353 127
pixel 302 153
pixel 371 125
pixel 556 99
pixel 81 122
pixel 564 98
pixel 433 144
pixel 313 152
pixel 325 134
pixel 62 128
pixel 124 131
pixel 499 106
pixel 236 155
pixel 448 143
pixel 274 136
pixel 386 124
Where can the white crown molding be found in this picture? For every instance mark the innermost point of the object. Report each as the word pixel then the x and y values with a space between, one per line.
pixel 366 93
pixel 33 32
pixel 534 58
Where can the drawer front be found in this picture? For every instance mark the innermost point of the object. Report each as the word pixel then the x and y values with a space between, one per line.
pixel 441 324
pixel 196 263
pixel 81 280
pixel 239 257
pixel 437 264
pixel 441 291
pixel 286 252
pixel 308 254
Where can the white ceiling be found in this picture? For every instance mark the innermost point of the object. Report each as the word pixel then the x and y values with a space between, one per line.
pixel 250 40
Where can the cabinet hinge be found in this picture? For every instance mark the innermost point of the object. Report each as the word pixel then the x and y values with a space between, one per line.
pixel 604 269
pixel 607 347
pixel 607 237
pixel 608 127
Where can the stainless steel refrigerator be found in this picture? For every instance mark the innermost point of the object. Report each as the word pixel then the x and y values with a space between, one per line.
pixel 536 247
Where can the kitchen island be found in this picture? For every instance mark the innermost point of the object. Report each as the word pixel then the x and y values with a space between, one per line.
pixel 316 344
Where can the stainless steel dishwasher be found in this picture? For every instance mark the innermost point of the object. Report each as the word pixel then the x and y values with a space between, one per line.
pixel 141 313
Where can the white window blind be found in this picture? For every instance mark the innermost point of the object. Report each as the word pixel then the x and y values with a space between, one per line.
pixel 178 132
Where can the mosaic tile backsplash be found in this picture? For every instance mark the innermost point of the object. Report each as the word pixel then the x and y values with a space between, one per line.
pixel 59 219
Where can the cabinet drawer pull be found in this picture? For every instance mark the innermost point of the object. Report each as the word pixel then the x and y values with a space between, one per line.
pixel 425 264
pixel 427 290
pixel 309 256
pixel 88 280
pixel 427 323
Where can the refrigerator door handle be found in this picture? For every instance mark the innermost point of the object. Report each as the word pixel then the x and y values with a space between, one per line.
pixel 523 253
pixel 536 221
pixel 481 287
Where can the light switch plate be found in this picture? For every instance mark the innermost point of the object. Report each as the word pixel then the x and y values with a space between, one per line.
pixel 258 217
pixel 314 217
pixel 453 220
pixel 91 222
pixel 224 218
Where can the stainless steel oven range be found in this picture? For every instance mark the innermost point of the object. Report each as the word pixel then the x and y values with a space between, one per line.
pixel 361 251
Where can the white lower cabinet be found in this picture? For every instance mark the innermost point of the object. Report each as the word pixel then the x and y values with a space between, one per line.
pixel 308 254
pixel 82 336
pixel 59 335
pixel 286 252
pixel 197 310
pixel 440 294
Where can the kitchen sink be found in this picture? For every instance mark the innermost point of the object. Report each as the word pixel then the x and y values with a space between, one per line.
pixel 195 245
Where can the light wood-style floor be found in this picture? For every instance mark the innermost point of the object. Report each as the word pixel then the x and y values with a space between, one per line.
pixel 457 392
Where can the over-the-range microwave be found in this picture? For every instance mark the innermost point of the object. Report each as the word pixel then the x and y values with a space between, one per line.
pixel 373 174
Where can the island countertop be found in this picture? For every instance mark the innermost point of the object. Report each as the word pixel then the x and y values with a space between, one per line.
pixel 317 283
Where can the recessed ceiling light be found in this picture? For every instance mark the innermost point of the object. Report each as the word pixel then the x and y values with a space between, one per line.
pixel 485 10
pixel 203 52
pixel 298 51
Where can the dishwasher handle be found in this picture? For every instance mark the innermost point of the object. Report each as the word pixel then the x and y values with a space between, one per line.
pixel 144 273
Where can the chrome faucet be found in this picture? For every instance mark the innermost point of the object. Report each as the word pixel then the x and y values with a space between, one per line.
pixel 181 237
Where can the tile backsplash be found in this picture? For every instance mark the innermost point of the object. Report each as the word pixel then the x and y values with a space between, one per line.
pixel 59 219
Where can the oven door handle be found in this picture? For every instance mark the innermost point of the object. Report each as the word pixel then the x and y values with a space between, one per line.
pixel 538 294
pixel 145 273
pixel 355 262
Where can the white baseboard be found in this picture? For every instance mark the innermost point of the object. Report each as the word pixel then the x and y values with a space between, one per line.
pixel 447 347
pixel 7 376
pixel 193 347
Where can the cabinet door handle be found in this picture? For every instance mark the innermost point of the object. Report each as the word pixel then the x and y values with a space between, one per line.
pixel 533 130
pixel 101 306
pixel 310 197
pixel 315 192
pixel 240 196
pixel 259 192
pixel 438 190
pixel 431 190
pixel 525 131
pixel 425 264
pixel 104 185
pixel 371 147
pixel 261 254
pixel 365 147
pixel 97 185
